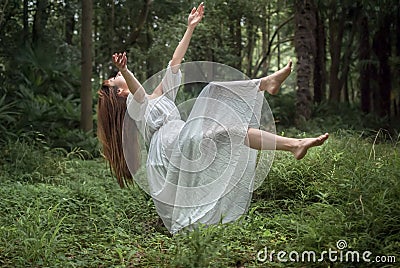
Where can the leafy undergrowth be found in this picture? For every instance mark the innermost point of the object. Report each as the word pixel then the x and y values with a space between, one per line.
pixel 58 210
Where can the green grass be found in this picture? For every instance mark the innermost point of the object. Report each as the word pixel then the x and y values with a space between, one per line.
pixel 58 210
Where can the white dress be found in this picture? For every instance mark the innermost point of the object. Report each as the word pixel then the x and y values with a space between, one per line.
pixel 198 170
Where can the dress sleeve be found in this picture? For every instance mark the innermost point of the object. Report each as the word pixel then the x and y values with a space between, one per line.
pixel 171 82
pixel 135 109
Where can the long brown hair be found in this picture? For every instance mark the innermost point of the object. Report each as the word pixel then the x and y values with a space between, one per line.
pixel 111 109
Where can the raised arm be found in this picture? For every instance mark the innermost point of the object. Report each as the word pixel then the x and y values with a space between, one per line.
pixel 120 61
pixel 194 18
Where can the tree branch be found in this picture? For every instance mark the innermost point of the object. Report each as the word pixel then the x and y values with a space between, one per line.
pixel 140 23
pixel 265 57
pixel 348 52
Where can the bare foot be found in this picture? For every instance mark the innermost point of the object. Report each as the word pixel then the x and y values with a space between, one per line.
pixel 273 82
pixel 304 144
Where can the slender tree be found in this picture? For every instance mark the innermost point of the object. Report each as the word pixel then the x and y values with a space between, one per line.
pixel 25 19
pixel 86 67
pixel 304 41
pixel 40 20
pixel 140 23
pixel 320 59
pixel 336 30
pixel 382 49
pixel 69 22
pixel 250 45
pixel 364 64
pixel 397 107
pixel 267 48
pixel 342 17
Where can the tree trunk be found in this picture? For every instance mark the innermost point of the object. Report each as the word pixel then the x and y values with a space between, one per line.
pixel 382 49
pixel 69 23
pixel 375 97
pixel 25 21
pixel 231 44
pixel 340 62
pixel 139 24
pixel 347 56
pixel 304 46
pixel 346 91
pixel 40 20
pixel 86 67
pixel 250 48
pixel 398 105
pixel 397 29
pixel 336 28
pixel 238 43
pixel 278 37
pixel 320 63
pixel 112 45
pixel 264 40
pixel 364 58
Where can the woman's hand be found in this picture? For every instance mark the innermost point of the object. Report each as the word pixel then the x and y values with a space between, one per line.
pixel 120 61
pixel 195 16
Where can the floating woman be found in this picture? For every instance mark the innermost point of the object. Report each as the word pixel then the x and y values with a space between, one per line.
pixel 200 170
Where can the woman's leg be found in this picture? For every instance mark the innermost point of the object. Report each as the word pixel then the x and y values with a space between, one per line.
pixel 262 140
pixel 272 83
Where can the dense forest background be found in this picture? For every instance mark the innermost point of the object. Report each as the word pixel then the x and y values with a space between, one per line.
pixel 61 206
pixel 54 55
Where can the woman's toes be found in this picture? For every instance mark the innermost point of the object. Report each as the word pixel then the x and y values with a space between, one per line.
pixel 306 144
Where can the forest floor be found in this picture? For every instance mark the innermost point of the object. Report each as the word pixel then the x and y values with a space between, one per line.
pixel 340 202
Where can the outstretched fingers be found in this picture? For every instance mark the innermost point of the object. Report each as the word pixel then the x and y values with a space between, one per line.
pixel 200 9
pixel 120 60
pixel 196 15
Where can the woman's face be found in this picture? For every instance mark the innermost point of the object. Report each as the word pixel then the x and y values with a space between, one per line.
pixel 118 81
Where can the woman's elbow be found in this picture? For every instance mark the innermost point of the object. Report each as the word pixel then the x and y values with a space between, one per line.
pixel 175 64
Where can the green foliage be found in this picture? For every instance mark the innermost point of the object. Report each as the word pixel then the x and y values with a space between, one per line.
pixel 329 118
pixel 45 100
pixel 8 117
pixel 30 159
pixel 282 107
pixel 45 69
pixel 61 211
pixel 197 248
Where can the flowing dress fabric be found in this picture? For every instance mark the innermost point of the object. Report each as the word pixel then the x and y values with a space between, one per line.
pixel 199 170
